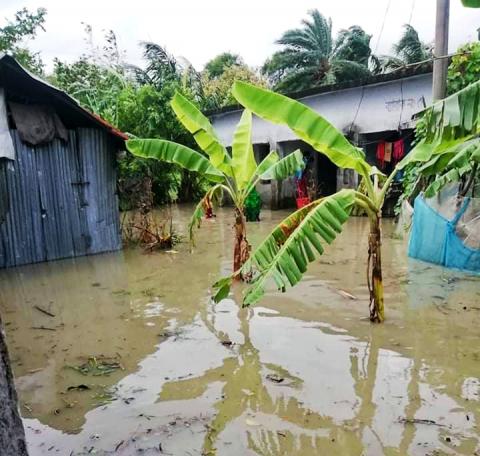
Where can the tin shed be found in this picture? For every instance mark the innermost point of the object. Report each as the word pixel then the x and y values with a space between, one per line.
pixel 58 194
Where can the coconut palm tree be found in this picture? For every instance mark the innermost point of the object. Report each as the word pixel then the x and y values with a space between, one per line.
pixel 409 49
pixel 311 57
pixel 236 175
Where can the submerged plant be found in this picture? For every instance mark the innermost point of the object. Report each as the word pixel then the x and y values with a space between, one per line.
pixel 284 255
pixel 236 175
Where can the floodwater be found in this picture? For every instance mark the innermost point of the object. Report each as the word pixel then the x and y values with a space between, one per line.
pixel 303 373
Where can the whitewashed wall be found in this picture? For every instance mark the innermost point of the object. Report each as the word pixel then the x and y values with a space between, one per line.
pixel 380 109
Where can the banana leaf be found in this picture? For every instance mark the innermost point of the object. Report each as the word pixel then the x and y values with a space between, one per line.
pixel 199 213
pixel 171 152
pixel 267 162
pixel 452 175
pixel 204 134
pixel 243 158
pixel 284 255
pixel 305 122
pixel 285 167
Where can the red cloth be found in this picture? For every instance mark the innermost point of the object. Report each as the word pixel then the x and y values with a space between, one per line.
pixel 302 187
pixel 381 153
pixel 398 150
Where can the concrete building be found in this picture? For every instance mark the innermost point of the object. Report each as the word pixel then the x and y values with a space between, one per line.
pixel 379 111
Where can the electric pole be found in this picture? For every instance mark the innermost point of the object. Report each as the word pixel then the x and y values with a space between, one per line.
pixel 440 62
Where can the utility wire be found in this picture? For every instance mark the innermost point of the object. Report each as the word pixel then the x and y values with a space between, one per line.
pixel 383 25
pixel 376 48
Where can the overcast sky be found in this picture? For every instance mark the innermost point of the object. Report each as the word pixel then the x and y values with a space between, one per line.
pixel 200 29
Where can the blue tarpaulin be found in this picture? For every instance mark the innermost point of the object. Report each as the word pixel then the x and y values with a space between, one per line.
pixel 434 238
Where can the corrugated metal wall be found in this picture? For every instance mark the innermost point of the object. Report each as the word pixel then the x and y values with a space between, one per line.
pixel 61 199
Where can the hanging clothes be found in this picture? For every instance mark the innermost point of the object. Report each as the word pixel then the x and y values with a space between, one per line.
pixel 398 150
pixel 381 154
pixel 37 124
pixel 388 152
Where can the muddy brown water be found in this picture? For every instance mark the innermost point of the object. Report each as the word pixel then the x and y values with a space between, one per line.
pixel 305 372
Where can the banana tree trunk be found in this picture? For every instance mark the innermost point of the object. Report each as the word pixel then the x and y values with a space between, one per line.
pixel 374 270
pixel 241 251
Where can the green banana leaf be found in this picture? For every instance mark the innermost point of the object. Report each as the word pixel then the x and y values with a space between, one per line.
pixel 436 164
pixel 198 213
pixel 455 117
pixel 201 129
pixel 285 167
pixel 267 162
pixel 243 158
pixel 422 152
pixel 171 152
pixel 448 124
pixel 284 255
pixel 461 161
pixel 452 175
pixel 306 123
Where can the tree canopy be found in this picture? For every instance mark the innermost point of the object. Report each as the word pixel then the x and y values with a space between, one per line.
pixel 13 35
pixel 310 56
pixel 217 66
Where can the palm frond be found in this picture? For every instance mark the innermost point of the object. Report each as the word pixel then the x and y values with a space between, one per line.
pixel 410 49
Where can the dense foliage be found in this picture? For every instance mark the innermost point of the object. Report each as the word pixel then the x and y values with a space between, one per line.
pixel 216 67
pixel 464 68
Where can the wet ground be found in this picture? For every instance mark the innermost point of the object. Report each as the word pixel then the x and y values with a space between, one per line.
pixel 124 354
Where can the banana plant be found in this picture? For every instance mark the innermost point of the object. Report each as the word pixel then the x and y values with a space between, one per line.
pixel 235 175
pixel 284 255
pixel 450 131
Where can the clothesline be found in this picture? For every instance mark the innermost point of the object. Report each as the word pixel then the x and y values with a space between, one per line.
pixel 377 141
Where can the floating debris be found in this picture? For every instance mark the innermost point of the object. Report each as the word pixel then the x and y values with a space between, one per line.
pixel 275 378
pixel 346 294
pixel 44 328
pixel 419 421
pixel 96 367
pixel 46 312
pixel 81 387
